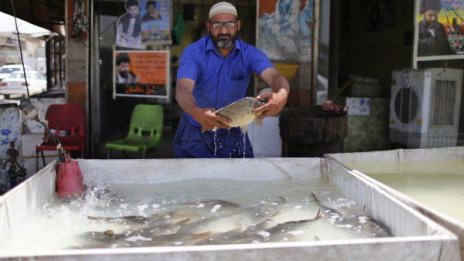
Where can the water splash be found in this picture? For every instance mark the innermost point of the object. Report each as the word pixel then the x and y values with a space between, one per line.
pixel 215 140
pixel 244 139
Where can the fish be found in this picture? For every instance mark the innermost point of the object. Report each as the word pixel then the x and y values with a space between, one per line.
pixel 205 219
pixel 175 234
pixel 238 220
pixel 186 212
pixel 161 234
pixel 265 231
pixel 213 205
pixel 240 113
pixel 285 231
pixel 166 217
pixel 359 224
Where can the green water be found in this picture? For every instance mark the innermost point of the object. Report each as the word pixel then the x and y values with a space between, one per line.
pixel 436 184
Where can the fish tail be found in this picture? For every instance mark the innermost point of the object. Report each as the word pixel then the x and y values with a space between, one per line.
pixel 318 215
pixel 314 197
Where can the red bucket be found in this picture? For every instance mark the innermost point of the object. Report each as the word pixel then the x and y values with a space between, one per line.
pixel 69 180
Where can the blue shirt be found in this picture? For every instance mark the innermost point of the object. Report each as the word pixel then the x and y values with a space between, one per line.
pixel 220 80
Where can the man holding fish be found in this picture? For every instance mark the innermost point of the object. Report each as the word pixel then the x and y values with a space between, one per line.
pixel 214 72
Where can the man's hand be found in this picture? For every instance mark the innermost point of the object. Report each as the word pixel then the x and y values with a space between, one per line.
pixel 210 121
pixel 276 101
pixel 276 97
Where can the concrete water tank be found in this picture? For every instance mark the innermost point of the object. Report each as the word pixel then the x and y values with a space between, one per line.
pixel 429 180
pixel 414 236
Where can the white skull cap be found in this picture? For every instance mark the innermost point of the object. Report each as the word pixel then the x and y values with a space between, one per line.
pixel 222 8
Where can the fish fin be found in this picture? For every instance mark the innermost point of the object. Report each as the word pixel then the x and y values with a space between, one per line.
pixel 183 221
pixel 202 236
pixel 110 233
pixel 119 219
pixel 258 121
pixel 315 198
pixel 106 219
pixel 277 212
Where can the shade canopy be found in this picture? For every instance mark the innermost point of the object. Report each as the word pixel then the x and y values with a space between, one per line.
pixel 8 27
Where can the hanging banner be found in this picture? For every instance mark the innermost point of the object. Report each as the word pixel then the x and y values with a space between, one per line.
pixel 439 30
pixel 141 74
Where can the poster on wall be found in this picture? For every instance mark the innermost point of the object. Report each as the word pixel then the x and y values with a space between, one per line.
pixel 156 22
pixel 439 30
pixel 286 32
pixel 145 22
pixel 285 29
pixel 142 74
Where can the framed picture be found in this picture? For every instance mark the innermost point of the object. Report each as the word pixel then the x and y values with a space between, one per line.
pixel 145 22
pixel 439 30
pixel 144 74
pixel 156 22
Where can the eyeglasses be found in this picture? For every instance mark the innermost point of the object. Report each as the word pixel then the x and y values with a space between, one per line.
pixel 219 25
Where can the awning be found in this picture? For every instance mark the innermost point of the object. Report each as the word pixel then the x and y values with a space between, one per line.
pixel 8 27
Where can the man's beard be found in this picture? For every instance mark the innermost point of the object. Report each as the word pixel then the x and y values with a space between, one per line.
pixel 224 41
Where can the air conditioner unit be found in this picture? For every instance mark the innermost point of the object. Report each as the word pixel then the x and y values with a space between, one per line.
pixel 425 106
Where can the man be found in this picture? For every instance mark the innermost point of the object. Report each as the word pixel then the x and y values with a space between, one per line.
pixel 152 13
pixel 123 74
pixel 214 72
pixel 129 26
pixel 433 39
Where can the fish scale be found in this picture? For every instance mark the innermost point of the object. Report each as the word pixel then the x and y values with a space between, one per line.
pixel 241 112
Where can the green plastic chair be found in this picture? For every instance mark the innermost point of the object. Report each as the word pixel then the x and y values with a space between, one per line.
pixel 145 130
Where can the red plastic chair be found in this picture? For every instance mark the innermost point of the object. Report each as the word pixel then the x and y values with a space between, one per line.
pixel 67 123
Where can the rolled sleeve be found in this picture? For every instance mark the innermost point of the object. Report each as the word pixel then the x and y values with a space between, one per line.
pixel 259 61
pixel 188 66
